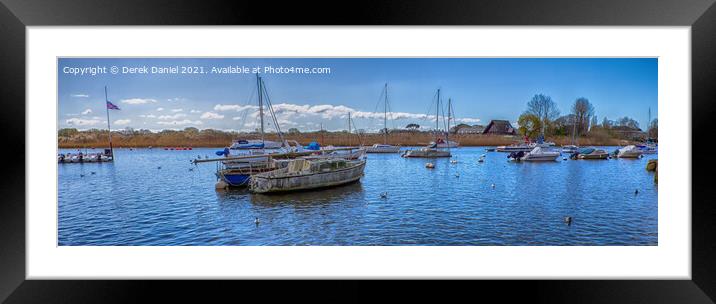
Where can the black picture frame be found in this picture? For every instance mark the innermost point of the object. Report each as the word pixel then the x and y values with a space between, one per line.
pixel 16 15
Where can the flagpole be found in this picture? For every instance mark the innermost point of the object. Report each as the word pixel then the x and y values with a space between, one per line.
pixel 109 129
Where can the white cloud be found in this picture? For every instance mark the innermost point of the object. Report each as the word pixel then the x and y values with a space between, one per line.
pixel 85 112
pixel 175 116
pixel 177 110
pixel 122 121
pixel 176 99
pixel 181 122
pixel 148 116
pixel 79 95
pixel 160 109
pixel 211 115
pixel 236 108
pixel 194 111
pixel 138 100
pixel 82 122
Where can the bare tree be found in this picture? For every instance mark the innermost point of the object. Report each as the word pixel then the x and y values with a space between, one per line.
pixel 544 108
pixel 583 111
pixel 654 129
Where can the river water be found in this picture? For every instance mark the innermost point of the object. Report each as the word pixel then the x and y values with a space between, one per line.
pixel 157 197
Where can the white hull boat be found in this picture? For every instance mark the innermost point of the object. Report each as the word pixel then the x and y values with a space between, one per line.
pixel 381 148
pixel 630 151
pixel 536 154
pixel 427 152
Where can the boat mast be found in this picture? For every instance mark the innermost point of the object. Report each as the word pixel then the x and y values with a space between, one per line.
pixel 437 116
pixel 261 105
pixel 385 118
pixel 349 129
pixel 447 132
pixel 109 129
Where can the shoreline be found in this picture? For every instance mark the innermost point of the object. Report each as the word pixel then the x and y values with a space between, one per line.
pixel 326 139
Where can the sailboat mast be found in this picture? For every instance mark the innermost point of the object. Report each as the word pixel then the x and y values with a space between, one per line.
pixel 385 117
pixel 109 129
pixel 437 116
pixel 261 105
pixel 447 132
pixel 349 129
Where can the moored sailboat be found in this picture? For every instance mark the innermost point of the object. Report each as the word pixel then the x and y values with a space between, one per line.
pixel 384 147
pixel 432 150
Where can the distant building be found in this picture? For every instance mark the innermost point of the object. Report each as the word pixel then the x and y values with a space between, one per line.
pixel 499 127
pixel 476 129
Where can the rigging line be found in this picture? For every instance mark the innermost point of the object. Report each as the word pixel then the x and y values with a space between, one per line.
pixel 430 108
pixel 245 112
pixel 273 114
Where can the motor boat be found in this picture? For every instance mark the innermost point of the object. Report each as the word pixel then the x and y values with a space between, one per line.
pixel 590 153
pixel 630 151
pixel 569 149
pixel 536 154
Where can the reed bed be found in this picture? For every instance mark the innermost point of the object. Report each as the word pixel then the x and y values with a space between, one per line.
pixel 223 139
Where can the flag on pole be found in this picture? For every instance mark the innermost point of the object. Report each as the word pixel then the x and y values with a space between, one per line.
pixel 112 106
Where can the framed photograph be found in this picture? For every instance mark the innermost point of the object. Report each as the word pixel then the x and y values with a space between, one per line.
pixel 430 141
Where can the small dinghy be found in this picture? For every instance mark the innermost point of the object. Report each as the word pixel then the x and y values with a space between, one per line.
pixel 302 174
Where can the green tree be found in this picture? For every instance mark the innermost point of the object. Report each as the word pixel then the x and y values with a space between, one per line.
pixel 530 125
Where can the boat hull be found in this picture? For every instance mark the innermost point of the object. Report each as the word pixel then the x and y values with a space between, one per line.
pixel 629 155
pixel 383 149
pixel 426 153
pixel 268 183
pixel 593 156
pixel 551 157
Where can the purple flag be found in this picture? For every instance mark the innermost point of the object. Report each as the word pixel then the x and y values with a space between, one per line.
pixel 111 106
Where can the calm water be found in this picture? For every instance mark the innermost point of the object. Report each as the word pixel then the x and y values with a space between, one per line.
pixel 133 202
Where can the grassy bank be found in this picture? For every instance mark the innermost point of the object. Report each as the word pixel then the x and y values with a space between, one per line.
pixel 213 138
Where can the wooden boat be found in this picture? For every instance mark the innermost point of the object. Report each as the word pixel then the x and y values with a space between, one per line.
pixel 302 174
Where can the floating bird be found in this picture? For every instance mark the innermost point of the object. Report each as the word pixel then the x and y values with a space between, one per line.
pixel 191 169
pixel 82 175
pixel 453 161
pixel 256 221
pixel 384 195
pixel 493 186
pixel 568 220
pixel 564 158
pixel 429 165
pixel 93 172
pixel 481 159
pixel 636 191
pixel 159 167
pixel 198 156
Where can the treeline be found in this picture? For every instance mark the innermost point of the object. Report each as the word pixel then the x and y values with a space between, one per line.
pixel 542 116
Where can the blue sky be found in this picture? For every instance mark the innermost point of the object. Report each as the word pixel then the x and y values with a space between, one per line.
pixel 481 89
